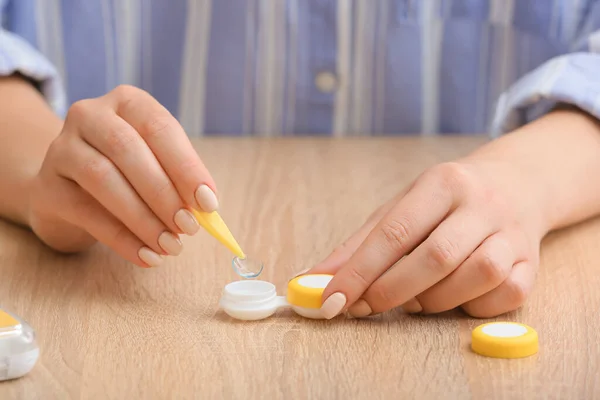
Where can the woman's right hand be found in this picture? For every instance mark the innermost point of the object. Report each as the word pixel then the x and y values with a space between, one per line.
pixel 122 172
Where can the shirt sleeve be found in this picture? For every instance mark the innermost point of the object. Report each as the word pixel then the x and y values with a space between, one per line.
pixel 19 56
pixel 573 79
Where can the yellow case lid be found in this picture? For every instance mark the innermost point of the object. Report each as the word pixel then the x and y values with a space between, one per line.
pixel 504 340
pixel 7 320
pixel 307 290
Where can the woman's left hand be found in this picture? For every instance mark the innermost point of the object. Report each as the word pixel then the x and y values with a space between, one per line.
pixel 463 234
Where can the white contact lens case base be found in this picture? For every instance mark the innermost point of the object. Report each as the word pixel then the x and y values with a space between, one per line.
pixel 252 300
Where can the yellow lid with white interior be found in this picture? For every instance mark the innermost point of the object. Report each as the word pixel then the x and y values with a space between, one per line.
pixel 504 340
pixel 307 290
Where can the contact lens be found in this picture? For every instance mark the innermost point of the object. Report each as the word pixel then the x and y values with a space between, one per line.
pixel 247 267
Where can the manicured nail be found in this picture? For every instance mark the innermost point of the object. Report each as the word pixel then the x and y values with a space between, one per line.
pixel 170 243
pixel 412 306
pixel 186 222
pixel 207 199
pixel 360 309
pixel 333 305
pixel 300 273
pixel 150 257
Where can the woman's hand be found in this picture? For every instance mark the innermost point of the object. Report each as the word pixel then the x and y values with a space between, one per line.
pixel 468 233
pixel 464 234
pixel 122 172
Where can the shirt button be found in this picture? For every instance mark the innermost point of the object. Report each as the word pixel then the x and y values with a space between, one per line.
pixel 326 82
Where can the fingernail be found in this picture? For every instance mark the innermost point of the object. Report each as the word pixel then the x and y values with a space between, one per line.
pixel 300 273
pixel 207 199
pixel 412 306
pixel 170 243
pixel 360 309
pixel 186 222
pixel 150 257
pixel 333 305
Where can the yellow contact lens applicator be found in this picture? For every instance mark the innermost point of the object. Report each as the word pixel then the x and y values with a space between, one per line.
pixel 216 227
pixel 214 224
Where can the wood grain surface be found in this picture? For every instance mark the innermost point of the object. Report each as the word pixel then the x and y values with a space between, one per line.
pixel 108 330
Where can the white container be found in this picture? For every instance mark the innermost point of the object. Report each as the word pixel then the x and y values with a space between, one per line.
pixel 251 300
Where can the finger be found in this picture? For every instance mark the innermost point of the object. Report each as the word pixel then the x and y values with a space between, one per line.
pixel 361 308
pixel 98 176
pixel 342 253
pixel 509 296
pixel 169 143
pixel 448 246
pixel 484 270
pixel 119 142
pixel 401 229
pixel 412 306
pixel 86 212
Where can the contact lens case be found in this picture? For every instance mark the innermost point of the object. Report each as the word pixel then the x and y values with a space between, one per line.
pixel 19 351
pixel 251 300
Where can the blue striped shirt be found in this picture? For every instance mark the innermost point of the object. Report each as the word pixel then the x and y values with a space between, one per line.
pixel 321 67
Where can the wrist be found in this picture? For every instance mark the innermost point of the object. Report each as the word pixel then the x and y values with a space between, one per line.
pixel 28 128
pixel 549 168
pixel 522 194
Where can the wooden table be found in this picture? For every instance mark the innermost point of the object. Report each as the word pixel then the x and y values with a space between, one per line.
pixel 108 330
